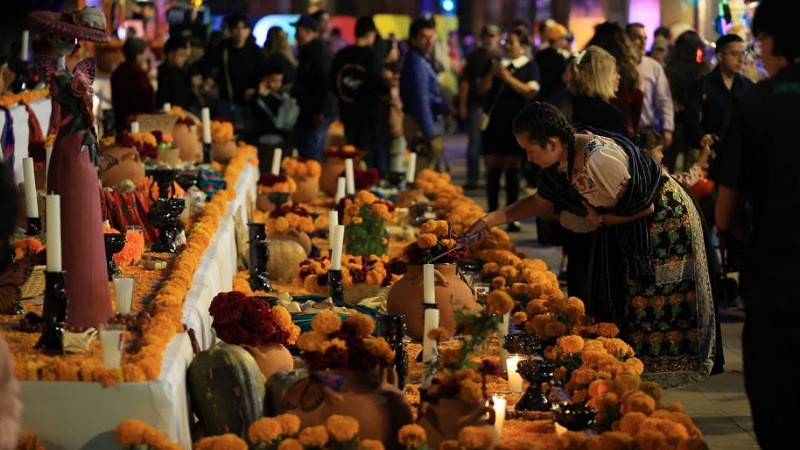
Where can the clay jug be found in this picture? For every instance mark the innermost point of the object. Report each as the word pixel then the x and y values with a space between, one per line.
pixel 405 297
pixel 120 163
pixel 332 167
pixel 272 358
pixel 371 397
pixel 445 419
pixel 307 189
pixel 223 151
pixel 188 142
pixel 296 236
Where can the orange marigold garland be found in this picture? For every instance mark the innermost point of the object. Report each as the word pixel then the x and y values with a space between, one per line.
pixel 132 432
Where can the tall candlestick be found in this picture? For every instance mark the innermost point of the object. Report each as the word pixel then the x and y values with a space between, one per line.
pixel 206 117
pixel 30 188
pixel 167 106
pixel 23 51
pixel 350 176
pixel 338 241
pixel 48 152
pixel 276 161
pixel 431 318
pixel 503 333
pixel 53 205
pixel 411 170
pixel 499 413
pixel 514 378
pixel 134 127
pixel 333 221
pixel 340 187
pixel 429 284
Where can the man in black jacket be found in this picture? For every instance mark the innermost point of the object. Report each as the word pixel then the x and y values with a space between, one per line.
pixel 312 90
pixel 174 86
pixel 355 78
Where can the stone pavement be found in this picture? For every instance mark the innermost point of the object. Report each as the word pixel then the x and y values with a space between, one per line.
pixel 718 404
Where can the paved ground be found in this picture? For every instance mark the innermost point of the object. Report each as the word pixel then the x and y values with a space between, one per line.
pixel 717 404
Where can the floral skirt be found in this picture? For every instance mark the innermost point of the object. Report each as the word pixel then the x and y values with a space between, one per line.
pixel 661 319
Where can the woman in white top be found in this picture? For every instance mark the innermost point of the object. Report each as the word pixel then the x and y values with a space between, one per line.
pixel 649 274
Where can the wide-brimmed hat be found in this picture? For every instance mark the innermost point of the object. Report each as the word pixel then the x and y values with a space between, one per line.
pixel 88 24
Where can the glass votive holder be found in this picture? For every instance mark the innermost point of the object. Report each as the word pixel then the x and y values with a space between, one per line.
pixel 111 340
pixel 123 292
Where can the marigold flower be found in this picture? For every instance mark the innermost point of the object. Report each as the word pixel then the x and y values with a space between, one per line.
pixel 674 431
pixel 311 341
pixel 442 228
pixel 326 322
pixel 475 438
pixel 370 444
pixel 638 401
pixel 498 282
pixel 555 329
pixel 519 317
pixel 290 444
pixel 499 302
pixel 438 334
pixel 634 365
pixel 571 344
pixel 426 240
pixel 470 391
pixel 449 445
pixel 451 356
pixel 342 428
pixel 313 436
pixel 605 329
pixel 227 441
pixel 412 435
pixel 379 347
pixel 363 323
pixel 290 424
pixel 264 430
pixel 428 227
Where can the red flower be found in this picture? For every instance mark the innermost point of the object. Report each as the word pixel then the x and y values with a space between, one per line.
pixel 227 307
pixel 489 367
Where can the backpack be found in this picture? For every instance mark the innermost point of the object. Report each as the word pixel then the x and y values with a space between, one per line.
pixel 287 113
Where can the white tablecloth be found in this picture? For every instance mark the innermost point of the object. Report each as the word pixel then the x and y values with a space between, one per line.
pixel 19 116
pixel 72 415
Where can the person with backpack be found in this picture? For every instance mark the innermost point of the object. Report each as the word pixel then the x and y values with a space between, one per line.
pixel 275 115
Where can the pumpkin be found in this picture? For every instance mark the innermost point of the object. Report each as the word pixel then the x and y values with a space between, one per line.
pixel 127 165
pixel 284 259
pixel 295 236
pixel 227 389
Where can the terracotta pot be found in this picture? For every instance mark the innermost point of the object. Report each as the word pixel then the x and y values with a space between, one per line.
pixel 405 297
pixel 186 139
pixel 444 420
pixel 381 409
pixel 272 358
pixel 128 166
pixel 307 189
pixel 265 204
pixel 296 236
pixel 332 167
pixel 223 151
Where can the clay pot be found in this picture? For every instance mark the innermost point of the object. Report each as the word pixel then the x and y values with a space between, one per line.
pixel 332 167
pixel 444 420
pixel 296 236
pixel 405 297
pixel 272 358
pixel 264 201
pixel 284 260
pixel 184 138
pixel 128 166
pixel 381 409
pixel 307 189
pixel 223 151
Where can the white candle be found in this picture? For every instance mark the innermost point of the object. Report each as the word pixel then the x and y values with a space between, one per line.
pixel 295 153
pixel 499 413
pixel 429 284
pixel 23 51
pixel 340 186
pixel 350 176
pixel 514 378
pixel 411 170
pixel 503 332
pixel 504 325
pixel 338 241
pixel 431 318
pixel 134 127
pixel 30 188
pixel 53 206
pixel 123 292
pixel 48 151
pixel 206 117
pixel 277 154
pixel 167 106
pixel 111 339
pixel 333 221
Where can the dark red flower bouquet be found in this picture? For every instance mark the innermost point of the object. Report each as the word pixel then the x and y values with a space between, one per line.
pixel 338 345
pixel 364 179
pixel 243 320
pixel 340 151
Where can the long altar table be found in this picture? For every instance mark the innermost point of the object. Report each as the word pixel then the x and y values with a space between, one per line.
pixel 81 415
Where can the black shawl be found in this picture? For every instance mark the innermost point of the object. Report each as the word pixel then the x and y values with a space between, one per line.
pixel 620 250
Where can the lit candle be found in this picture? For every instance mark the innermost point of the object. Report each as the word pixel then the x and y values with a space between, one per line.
pixel 431 318
pixel 295 153
pixel 411 170
pixel 340 186
pixel 429 283
pixel 336 255
pixel 23 51
pixel 167 106
pixel 134 127
pixel 48 151
pixel 206 116
pixel 333 221
pixel 277 154
pixel 53 206
pixel 499 413
pixel 350 176
pixel 30 188
pixel 514 378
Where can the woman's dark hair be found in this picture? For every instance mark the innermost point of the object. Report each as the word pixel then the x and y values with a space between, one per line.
pixel 522 36
pixel 133 47
pixel 777 19
pixel 612 38
pixel 684 66
pixel 647 139
pixel 542 121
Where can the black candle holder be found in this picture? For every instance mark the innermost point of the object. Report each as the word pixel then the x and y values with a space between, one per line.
pixel 335 286
pixel 165 212
pixel 54 313
pixel 207 153
pixel 113 243
pixel 395 178
pixel 278 198
pixel 163 178
pixel 574 416
pixel 536 373
pixel 522 343
pixel 392 328
pixel 259 257
pixel 34 226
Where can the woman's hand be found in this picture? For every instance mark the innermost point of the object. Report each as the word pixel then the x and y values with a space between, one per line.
pixel 480 226
pixel 592 215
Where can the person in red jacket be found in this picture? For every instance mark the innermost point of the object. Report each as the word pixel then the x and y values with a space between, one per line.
pixel 131 90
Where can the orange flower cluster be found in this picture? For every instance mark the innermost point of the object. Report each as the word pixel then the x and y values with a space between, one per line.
pixel 379 207
pixel 10 99
pixel 290 217
pixel 164 308
pixel 132 252
pixel 322 348
pixel 28 246
pixel 221 131
pixel 301 167
pixel 30 441
pixel 227 441
pixel 276 183
pixel 133 432
pixel 340 151
pixel 285 431
pixel 374 269
pixel 449 200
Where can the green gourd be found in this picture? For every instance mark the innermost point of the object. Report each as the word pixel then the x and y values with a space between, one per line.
pixel 226 388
